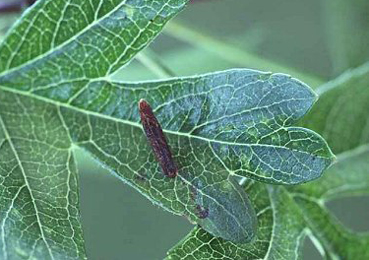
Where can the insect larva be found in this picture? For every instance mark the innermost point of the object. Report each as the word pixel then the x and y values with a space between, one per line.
pixel 156 137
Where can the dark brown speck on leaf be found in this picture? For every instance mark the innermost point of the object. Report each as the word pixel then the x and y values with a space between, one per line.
pixel 202 212
pixel 156 137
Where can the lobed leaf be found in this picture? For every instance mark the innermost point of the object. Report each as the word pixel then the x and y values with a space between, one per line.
pixel 57 45
pixel 304 206
pixel 64 44
pixel 207 154
pixel 250 134
pixel 55 93
pixel 98 121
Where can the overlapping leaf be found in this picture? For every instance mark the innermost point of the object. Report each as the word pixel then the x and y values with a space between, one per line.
pixel 55 94
pixel 283 223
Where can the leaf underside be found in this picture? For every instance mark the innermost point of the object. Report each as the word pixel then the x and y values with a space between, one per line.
pixel 287 214
pixel 56 94
pixel 57 47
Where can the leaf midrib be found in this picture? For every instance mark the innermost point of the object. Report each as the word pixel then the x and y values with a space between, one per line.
pixel 138 125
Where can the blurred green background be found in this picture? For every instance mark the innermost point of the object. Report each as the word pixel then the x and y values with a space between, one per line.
pixel 313 40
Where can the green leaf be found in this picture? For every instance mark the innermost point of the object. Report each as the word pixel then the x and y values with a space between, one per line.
pixel 57 48
pixel 79 42
pixel 349 178
pixel 207 140
pixel 39 186
pixel 279 236
pixel 343 118
pixel 287 214
pixel 56 94
pixel 250 134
